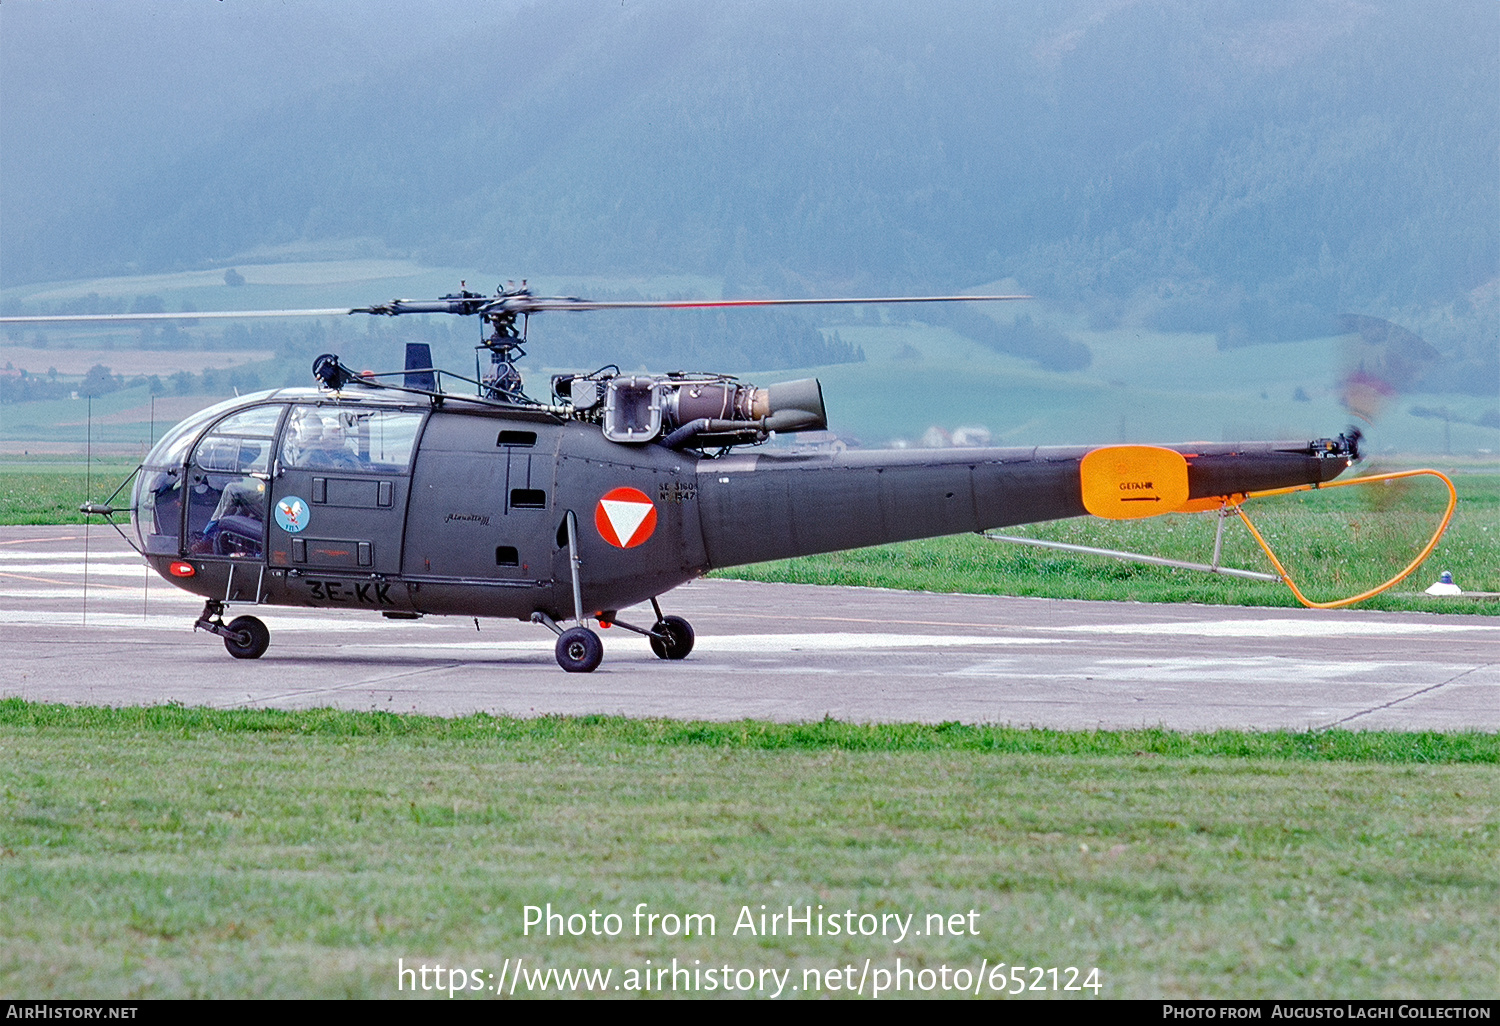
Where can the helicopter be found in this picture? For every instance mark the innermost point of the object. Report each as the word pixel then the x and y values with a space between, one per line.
pixel 392 494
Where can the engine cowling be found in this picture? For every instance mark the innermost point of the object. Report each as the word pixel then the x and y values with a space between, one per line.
pixel 686 411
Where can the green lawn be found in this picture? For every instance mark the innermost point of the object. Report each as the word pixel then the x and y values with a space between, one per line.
pixel 43 491
pixel 183 853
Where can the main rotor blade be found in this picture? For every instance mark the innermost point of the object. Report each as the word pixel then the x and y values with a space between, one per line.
pixel 470 305
pixel 185 316
pixel 540 303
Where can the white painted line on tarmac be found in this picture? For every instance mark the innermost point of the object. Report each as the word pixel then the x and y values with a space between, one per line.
pixel 12 557
pixel 546 642
pixel 73 569
pixel 183 622
pixel 773 644
pixel 1288 673
pixel 1277 628
pixel 117 593
pixel 843 642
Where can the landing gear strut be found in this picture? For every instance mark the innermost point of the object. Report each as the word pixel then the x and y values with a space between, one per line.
pixel 246 637
pixel 579 649
pixel 671 637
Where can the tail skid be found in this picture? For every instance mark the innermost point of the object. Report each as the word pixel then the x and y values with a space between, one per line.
pixel 1233 505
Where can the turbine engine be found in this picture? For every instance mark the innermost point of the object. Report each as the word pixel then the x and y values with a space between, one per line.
pixel 692 410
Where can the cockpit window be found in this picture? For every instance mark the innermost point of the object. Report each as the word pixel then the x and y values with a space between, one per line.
pixel 240 444
pixel 227 484
pixel 172 449
pixel 259 420
pixel 159 488
pixel 369 441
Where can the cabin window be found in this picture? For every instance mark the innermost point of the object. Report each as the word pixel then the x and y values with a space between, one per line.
pixel 528 498
pixel 240 444
pixel 359 440
pixel 506 555
pixel 516 438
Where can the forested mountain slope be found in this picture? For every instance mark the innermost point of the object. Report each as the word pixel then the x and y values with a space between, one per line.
pixel 1248 169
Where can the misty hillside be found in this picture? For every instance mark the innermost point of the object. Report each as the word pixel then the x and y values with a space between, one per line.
pixel 1247 169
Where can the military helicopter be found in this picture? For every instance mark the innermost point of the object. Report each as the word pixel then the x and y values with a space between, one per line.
pixel 393 494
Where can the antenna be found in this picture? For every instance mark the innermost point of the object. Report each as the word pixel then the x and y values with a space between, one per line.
pixel 88 497
pixel 150 441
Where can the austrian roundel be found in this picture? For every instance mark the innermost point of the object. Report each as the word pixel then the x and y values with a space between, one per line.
pixel 625 517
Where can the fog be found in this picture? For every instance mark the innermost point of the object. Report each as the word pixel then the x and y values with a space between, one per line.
pixel 96 95
pixel 1247 169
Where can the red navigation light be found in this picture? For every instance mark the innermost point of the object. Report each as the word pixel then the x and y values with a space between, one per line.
pixel 181 569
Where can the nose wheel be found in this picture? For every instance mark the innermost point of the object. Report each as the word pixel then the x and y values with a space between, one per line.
pixel 245 637
pixel 248 638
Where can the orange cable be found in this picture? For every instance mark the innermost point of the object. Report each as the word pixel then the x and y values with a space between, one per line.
pixel 1287 578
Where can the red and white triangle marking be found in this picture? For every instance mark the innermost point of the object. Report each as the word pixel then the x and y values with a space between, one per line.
pixel 625 517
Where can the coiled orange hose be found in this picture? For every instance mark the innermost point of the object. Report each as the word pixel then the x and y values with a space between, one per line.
pixel 1287 578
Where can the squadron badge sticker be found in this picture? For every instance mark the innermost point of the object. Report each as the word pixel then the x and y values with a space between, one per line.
pixel 625 517
pixel 292 514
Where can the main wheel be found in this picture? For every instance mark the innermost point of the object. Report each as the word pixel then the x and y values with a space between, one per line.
pixel 579 650
pixel 250 638
pixel 673 638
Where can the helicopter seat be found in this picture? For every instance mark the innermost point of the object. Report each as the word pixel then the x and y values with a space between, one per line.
pixel 236 535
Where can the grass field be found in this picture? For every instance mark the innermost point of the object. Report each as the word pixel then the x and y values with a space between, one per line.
pixel 48 491
pixel 171 852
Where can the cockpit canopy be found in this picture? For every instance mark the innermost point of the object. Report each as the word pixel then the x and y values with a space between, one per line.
pixel 205 487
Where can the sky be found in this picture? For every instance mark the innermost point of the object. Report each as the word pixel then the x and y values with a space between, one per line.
pixel 90 90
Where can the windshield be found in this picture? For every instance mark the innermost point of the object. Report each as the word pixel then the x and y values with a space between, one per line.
pixel 157 499
pixel 172 449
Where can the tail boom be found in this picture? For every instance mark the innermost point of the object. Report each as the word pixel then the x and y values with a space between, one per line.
pixel 761 506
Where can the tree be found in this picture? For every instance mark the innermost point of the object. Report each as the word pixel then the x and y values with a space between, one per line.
pixel 98 381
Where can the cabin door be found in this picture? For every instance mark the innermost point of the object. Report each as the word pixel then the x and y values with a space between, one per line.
pixel 339 493
pixel 227 486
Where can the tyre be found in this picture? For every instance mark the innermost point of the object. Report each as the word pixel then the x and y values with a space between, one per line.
pixel 249 639
pixel 675 640
pixel 579 650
